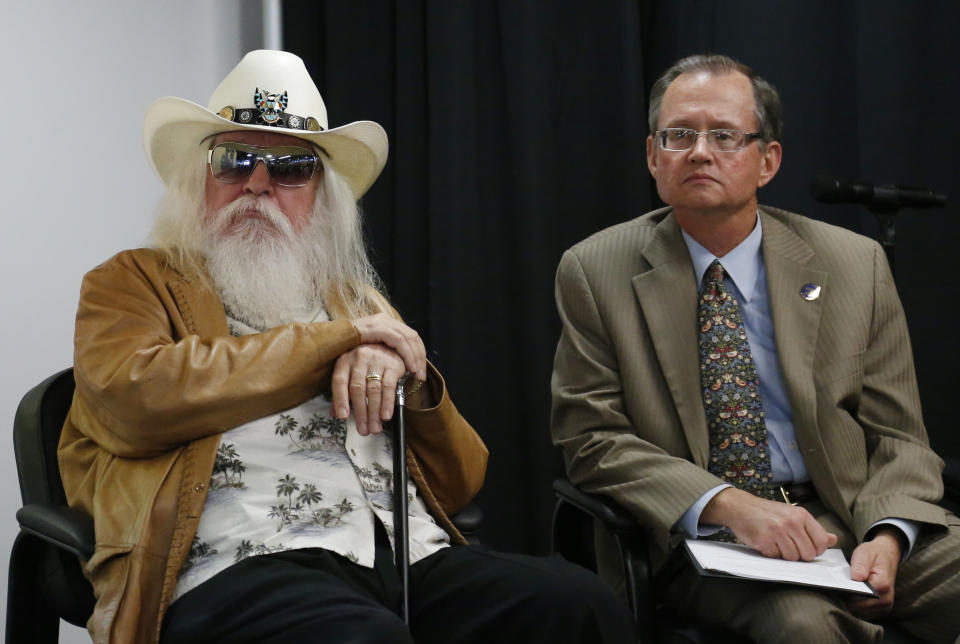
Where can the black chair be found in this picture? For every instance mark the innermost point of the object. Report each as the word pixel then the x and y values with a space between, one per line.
pixel 46 583
pixel 45 579
pixel 951 484
pixel 574 517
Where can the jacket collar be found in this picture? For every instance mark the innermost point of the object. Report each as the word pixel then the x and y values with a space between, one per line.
pixel 667 293
pixel 202 311
pixel 792 264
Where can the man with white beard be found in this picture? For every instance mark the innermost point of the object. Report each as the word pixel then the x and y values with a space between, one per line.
pixel 233 382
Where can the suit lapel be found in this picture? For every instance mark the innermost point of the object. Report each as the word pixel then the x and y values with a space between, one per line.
pixel 668 297
pixel 791 264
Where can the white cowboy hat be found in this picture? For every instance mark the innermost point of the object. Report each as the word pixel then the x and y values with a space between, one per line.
pixel 268 91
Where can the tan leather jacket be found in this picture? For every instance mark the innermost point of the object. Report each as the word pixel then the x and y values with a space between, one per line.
pixel 159 378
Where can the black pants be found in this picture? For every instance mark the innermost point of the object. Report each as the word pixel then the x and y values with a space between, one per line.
pixel 460 594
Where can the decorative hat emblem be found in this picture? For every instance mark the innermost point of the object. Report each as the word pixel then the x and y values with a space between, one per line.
pixel 268 109
pixel 270 105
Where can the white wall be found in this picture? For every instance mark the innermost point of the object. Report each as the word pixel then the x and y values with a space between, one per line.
pixel 77 77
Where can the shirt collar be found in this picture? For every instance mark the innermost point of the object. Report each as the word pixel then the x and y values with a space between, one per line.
pixel 742 264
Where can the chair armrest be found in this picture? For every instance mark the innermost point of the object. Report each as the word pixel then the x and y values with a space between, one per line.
pixel 612 515
pixel 574 517
pixel 68 529
pixel 468 520
pixel 951 484
pixel 951 479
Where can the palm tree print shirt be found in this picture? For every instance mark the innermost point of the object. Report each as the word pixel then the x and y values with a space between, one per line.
pixel 300 479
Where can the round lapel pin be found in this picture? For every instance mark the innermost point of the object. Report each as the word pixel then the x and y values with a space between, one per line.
pixel 810 292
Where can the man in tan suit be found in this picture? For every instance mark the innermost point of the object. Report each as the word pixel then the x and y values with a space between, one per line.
pixel 840 428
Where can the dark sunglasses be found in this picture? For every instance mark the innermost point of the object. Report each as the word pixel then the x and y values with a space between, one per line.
pixel 288 165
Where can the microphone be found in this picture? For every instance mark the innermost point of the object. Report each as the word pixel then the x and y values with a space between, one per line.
pixel 888 197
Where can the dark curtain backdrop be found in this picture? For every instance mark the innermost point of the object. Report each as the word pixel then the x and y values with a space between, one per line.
pixel 517 128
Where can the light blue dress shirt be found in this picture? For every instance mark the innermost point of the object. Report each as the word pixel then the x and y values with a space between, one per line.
pixel 746 280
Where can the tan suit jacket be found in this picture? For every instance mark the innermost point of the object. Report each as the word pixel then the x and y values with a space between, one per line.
pixel 627 407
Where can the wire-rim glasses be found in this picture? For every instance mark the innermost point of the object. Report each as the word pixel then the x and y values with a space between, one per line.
pixel 681 139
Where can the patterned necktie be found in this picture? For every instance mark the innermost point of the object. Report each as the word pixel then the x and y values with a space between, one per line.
pixel 739 453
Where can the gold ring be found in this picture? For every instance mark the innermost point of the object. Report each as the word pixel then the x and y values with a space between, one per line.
pixel 373 375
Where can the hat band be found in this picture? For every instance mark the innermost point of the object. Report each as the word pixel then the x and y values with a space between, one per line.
pixel 256 116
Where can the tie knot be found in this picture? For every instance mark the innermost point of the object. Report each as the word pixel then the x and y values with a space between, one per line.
pixel 715 273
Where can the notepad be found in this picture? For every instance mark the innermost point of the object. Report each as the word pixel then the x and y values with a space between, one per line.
pixel 831 570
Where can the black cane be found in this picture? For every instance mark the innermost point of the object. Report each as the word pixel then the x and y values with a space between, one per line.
pixel 401 536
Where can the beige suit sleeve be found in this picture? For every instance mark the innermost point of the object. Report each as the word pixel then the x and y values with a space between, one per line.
pixel 602 444
pixel 903 478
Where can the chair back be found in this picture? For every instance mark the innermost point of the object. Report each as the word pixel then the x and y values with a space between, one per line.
pixel 36 432
pixel 45 580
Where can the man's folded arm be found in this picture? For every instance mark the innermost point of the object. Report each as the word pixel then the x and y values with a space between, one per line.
pixel 904 474
pixel 604 452
pixel 143 391
pixel 451 454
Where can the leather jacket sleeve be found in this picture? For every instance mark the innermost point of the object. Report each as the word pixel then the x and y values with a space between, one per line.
pixel 152 374
pixel 156 367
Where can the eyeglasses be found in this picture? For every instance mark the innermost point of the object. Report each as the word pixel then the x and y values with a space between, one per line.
pixel 288 165
pixel 679 139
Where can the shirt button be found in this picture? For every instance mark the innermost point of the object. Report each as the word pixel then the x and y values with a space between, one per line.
pixel 199 487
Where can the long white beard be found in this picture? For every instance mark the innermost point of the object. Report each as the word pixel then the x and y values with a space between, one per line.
pixel 266 273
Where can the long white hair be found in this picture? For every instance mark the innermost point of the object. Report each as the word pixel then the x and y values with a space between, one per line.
pixel 270 279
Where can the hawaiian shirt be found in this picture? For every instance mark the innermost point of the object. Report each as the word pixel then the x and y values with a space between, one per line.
pixel 300 479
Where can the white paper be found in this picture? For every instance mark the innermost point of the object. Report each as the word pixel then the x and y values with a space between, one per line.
pixel 830 570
